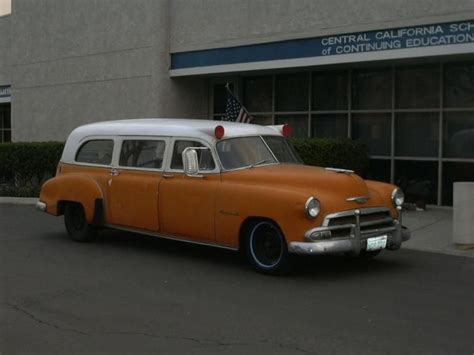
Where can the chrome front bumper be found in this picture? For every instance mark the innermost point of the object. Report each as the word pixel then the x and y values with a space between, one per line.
pixel 41 206
pixel 355 241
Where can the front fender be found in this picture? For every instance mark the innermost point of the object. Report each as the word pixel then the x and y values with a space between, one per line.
pixel 236 203
pixel 78 188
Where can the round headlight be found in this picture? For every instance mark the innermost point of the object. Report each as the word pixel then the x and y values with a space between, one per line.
pixel 398 197
pixel 312 207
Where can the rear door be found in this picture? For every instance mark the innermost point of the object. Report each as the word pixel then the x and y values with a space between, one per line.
pixel 134 183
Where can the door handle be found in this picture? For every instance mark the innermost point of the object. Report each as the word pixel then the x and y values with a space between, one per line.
pixel 114 172
pixel 168 176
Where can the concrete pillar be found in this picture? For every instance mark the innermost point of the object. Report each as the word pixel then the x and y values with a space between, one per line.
pixel 463 214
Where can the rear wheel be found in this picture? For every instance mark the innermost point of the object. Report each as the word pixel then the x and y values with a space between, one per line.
pixel 76 223
pixel 266 248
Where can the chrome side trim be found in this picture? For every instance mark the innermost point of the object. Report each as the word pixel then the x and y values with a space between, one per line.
pixel 358 199
pixel 167 236
pixel 342 171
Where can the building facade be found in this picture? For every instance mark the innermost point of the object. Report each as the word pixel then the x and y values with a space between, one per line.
pixel 397 75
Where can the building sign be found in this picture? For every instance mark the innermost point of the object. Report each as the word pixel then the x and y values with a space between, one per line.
pixel 409 37
pixel 405 42
pixel 5 91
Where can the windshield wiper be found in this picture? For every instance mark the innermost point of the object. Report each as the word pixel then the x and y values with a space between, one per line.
pixel 259 162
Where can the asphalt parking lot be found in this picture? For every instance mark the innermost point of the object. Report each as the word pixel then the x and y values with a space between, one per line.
pixel 128 294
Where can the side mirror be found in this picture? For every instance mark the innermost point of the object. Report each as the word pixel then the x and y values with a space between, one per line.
pixel 190 162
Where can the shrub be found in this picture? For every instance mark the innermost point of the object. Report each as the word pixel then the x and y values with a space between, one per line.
pixel 25 166
pixel 341 153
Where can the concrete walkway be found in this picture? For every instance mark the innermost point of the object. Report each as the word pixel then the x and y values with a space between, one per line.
pixel 432 229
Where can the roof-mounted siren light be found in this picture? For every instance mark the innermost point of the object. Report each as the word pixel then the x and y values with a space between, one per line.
pixel 285 129
pixel 219 132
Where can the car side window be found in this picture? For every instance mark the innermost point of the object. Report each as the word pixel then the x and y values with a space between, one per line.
pixel 142 153
pixel 206 161
pixel 97 151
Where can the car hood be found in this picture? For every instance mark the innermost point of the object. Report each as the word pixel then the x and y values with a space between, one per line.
pixel 333 189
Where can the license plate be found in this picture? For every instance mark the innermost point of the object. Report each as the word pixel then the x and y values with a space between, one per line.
pixel 377 243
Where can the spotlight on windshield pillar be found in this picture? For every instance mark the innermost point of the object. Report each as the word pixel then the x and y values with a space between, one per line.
pixel 219 132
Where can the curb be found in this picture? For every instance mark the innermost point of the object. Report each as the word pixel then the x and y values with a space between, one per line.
pixel 452 252
pixel 18 200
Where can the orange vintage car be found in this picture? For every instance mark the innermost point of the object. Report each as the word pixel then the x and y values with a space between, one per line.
pixel 224 184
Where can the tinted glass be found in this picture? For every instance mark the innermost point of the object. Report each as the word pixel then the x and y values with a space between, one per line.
pixel 417 134
pixel 371 89
pixel 329 91
pixel 299 124
pixel 206 161
pixel 264 120
pixel 417 87
pixel 142 153
pixel 418 179
pixel 258 93
pixel 379 169
pixel 329 125
pixel 458 135
pixel 374 130
pixel 7 136
pixel 220 97
pixel 292 91
pixel 96 152
pixel 459 84
pixel 453 172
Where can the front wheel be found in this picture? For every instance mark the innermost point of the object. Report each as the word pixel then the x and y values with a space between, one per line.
pixel 76 223
pixel 266 248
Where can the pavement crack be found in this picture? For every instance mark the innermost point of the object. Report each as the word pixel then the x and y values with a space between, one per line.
pixel 201 341
pixel 427 225
pixel 41 321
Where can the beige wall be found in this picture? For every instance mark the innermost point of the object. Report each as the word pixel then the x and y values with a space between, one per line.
pixel 220 23
pixel 5 69
pixel 83 61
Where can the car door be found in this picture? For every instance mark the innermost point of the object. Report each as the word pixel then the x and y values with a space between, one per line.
pixel 134 183
pixel 187 204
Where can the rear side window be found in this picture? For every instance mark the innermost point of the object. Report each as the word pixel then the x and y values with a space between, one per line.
pixel 97 151
pixel 142 153
pixel 206 161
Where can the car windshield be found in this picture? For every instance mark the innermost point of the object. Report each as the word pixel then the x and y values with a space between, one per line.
pixel 247 152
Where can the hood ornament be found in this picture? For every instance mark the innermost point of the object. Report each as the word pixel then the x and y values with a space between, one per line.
pixel 358 199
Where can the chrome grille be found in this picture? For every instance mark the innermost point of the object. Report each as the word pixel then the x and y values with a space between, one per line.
pixel 371 219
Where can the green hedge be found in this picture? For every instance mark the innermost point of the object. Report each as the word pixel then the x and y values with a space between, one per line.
pixel 341 153
pixel 25 166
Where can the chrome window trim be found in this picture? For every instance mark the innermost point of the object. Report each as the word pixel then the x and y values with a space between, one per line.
pixel 167 168
pixel 123 138
pixel 95 138
pixel 223 170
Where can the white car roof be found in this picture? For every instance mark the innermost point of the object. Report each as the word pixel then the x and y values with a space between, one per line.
pixel 164 127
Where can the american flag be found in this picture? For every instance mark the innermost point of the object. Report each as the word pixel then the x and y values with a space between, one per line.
pixel 235 111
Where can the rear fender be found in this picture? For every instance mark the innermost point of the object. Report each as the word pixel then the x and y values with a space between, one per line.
pixel 78 188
